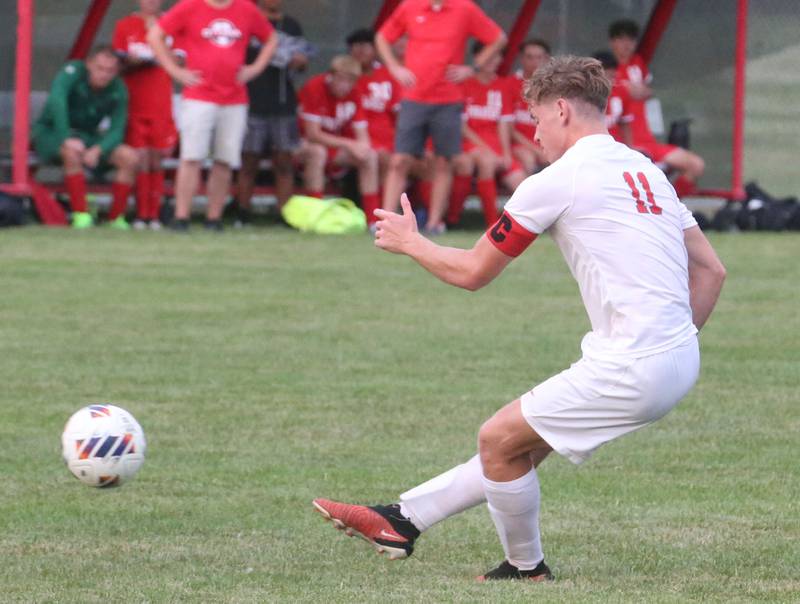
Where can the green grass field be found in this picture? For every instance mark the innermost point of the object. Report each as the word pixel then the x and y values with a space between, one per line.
pixel 268 368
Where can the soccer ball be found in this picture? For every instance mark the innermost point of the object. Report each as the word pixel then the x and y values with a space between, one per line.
pixel 103 445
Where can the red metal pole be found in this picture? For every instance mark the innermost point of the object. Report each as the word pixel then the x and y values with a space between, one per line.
pixel 656 25
pixel 91 23
pixel 522 25
pixel 22 93
pixel 386 9
pixel 738 101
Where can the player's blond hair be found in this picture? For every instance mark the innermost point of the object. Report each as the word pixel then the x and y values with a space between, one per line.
pixel 569 77
pixel 347 65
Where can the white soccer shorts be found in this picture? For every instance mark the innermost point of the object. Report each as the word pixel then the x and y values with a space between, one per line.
pixel 594 401
pixel 200 122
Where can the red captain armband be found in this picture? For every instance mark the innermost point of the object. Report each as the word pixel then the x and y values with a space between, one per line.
pixel 508 236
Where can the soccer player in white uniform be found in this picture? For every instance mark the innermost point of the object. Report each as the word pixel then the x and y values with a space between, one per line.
pixel 648 278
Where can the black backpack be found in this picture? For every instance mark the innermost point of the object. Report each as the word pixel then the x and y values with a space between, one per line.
pixel 12 210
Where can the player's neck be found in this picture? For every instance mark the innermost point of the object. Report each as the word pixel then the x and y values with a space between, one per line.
pixel 586 128
pixel 219 4
pixel 486 77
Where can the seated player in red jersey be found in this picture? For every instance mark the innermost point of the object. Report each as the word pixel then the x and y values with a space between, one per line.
pixel 618 110
pixel 334 125
pixel 150 128
pixel 632 73
pixel 532 54
pixel 488 122
pixel 380 95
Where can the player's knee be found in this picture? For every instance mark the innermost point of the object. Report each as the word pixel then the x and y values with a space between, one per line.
pixel 316 154
pixel 490 441
pixel 400 162
pixel 698 165
pixel 127 157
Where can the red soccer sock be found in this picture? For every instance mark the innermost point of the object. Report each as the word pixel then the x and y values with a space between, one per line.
pixel 683 186
pixel 370 203
pixel 119 199
pixel 462 186
pixel 76 189
pixel 487 191
pixel 425 187
pixel 156 194
pixel 311 193
pixel 142 195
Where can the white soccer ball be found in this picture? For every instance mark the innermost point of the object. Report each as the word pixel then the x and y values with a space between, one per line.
pixel 103 445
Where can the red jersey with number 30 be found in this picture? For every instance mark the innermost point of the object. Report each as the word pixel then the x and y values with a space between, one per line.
pixel 485 107
pixel 336 115
pixel 149 88
pixel 380 100
pixel 215 41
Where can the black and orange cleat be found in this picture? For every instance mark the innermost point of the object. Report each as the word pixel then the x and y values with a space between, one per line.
pixel 507 571
pixel 383 526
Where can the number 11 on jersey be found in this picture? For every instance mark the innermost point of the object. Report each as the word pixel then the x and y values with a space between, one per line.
pixel 637 196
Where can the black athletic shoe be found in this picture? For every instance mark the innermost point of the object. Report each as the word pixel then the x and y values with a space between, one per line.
pixel 180 225
pixel 213 225
pixel 383 526
pixel 507 571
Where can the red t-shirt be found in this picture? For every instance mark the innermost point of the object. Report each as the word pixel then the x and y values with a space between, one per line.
pixel 485 106
pixel 149 88
pixel 618 110
pixel 215 41
pixel 523 122
pixel 336 115
pixel 636 71
pixel 380 99
pixel 436 39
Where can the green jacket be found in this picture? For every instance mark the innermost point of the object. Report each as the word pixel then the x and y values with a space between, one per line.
pixel 73 109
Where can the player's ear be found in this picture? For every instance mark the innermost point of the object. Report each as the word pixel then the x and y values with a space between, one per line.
pixel 564 110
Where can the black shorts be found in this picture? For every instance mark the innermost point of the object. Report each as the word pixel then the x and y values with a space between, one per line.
pixel 417 121
pixel 269 134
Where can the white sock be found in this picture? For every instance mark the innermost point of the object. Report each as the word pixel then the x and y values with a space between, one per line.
pixel 514 507
pixel 445 495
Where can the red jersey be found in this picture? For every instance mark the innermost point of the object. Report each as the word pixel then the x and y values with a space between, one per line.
pixel 437 38
pixel 215 41
pixel 636 71
pixel 523 122
pixel 380 100
pixel 618 110
pixel 149 87
pixel 485 106
pixel 336 115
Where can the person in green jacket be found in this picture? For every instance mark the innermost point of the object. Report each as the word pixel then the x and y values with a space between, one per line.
pixel 82 126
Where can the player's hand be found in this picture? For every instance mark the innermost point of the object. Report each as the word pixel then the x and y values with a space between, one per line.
pixel 75 144
pixel 187 77
pixel 359 150
pixel 458 73
pixel 298 61
pixel 246 74
pixel 92 156
pixel 637 90
pixel 396 232
pixel 404 75
pixel 506 161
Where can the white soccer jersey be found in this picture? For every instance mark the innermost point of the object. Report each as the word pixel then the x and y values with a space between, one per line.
pixel 619 225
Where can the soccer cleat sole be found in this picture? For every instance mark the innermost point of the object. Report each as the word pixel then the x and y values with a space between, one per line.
pixel 393 553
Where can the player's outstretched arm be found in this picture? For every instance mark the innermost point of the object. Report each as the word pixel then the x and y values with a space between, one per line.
pixel 706 275
pixel 470 269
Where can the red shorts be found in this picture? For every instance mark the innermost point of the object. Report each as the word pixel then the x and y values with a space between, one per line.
pixel 654 150
pixel 151 132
